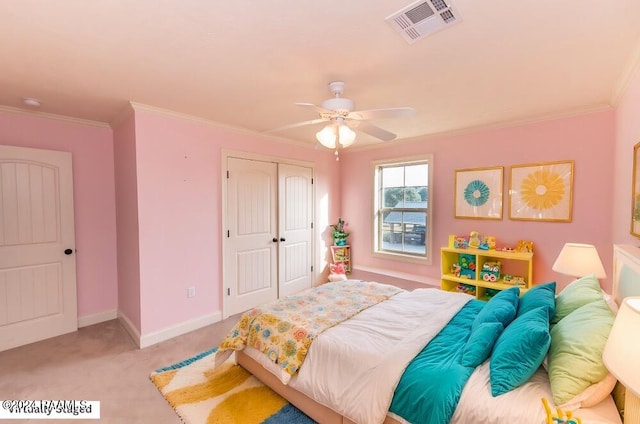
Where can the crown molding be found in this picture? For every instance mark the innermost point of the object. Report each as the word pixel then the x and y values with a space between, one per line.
pixel 45 115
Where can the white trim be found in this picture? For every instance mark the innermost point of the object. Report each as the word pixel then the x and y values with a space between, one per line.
pixel 87 320
pixel 170 332
pixel 131 329
pixel 36 114
pixel 399 256
pixel 400 275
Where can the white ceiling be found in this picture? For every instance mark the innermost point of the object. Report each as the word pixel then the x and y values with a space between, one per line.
pixel 244 63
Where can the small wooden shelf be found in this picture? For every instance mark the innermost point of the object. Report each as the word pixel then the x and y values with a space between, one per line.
pixel 514 263
pixel 342 254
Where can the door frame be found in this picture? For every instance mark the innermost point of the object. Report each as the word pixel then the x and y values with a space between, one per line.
pixel 225 155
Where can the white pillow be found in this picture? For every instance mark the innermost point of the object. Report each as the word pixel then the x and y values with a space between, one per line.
pixel 593 394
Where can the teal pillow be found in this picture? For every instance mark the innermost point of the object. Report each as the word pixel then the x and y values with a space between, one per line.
pixel 540 296
pixel 480 343
pixel 575 356
pixel 500 308
pixel 580 292
pixel 519 351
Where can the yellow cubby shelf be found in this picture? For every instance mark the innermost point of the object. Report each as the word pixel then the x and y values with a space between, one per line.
pixel 514 263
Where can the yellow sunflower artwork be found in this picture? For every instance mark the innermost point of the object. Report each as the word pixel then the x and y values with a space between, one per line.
pixel 541 192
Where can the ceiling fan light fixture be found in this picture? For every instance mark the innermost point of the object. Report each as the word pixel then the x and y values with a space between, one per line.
pixel 346 136
pixel 327 137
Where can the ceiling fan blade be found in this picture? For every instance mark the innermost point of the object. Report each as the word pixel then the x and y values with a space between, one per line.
pixel 374 131
pixel 397 112
pixel 315 108
pixel 296 125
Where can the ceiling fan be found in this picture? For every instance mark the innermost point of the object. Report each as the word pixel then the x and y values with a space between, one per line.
pixel 342 119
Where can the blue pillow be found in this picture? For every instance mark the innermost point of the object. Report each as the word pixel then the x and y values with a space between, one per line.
pixel 519 351
pixel 540 296
pixel 480 343
pixel 500 308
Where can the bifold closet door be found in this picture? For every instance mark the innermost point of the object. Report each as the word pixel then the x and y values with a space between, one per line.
pixel 268 242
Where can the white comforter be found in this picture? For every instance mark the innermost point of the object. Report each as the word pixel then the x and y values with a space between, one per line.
pixel 353 368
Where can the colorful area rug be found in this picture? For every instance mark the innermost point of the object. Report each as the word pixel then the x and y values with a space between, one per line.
pixel 228 394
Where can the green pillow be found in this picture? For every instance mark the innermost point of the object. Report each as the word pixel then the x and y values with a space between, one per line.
pixel 575 355
pixel 540 296
pixel 480 343
pixel 500 308
pixel 580 292
pixel 519 351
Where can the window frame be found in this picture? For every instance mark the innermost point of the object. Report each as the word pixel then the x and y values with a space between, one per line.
pixel 377 205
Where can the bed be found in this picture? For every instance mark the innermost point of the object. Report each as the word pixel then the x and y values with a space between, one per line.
pixel 362 369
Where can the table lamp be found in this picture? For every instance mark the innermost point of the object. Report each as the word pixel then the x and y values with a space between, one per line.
pixel 622 355
pixel 578 260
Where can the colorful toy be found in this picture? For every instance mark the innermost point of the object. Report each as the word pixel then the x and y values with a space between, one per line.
pixel 524 246
pixel 467 266
pixel 466 288
pixel 562 417
pixel 490 271
pixel 490 241
pixel 514 279
pixel 455 269
pixel 460 243
pixel 474 239
pixel 337 272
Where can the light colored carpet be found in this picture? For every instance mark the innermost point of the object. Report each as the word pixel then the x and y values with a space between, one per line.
pixel 228 394
pixel 101 362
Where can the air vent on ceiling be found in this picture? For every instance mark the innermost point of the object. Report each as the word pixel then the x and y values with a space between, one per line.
pixel 422 18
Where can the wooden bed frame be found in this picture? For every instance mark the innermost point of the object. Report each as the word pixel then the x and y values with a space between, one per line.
pixel 626 266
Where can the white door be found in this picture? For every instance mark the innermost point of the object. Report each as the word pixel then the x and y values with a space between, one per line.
pixel 251 245
pixel 295 229
pixel 268 246
pixel 37 246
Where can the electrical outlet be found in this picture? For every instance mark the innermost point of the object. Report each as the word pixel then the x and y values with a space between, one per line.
pixel 191 292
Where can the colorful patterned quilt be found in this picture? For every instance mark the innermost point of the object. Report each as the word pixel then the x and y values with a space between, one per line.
pixel 284 329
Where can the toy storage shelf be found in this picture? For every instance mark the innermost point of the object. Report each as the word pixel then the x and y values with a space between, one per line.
pixel 514 263
pixel 342 254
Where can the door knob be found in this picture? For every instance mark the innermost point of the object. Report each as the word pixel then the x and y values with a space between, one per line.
pixel 68 251
pixel 282 239
pixel 275 239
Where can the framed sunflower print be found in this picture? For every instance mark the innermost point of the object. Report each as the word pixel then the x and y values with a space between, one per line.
pixel 635 193
pixel 478 193
pixel 541 192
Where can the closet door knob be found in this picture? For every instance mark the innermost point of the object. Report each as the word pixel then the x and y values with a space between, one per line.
pixel 282 239
pixel 275 239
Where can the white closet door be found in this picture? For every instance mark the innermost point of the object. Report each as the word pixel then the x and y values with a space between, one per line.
pixel 37 246
pixel 251 254
pixel 295 229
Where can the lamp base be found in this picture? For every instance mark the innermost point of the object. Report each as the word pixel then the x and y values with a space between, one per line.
pixel 631 408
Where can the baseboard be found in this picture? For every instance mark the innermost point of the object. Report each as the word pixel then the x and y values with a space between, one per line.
pixel 131 329
pixel 87 320
pixel 150 339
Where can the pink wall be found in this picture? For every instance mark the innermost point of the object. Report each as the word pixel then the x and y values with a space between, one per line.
pixel 586 139
pixel 124 147
pixel 157 268
pixel 93 190
pixel 179 193
pixel 627 135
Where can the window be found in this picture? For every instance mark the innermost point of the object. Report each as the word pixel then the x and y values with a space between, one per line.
pixel 402 226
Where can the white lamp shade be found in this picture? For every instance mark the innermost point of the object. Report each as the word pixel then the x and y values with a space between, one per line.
pixel 578 260
pixel 327 137
pixel 622 352
pixel 346 136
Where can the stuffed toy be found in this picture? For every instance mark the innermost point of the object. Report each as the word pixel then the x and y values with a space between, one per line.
pixel 337 272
